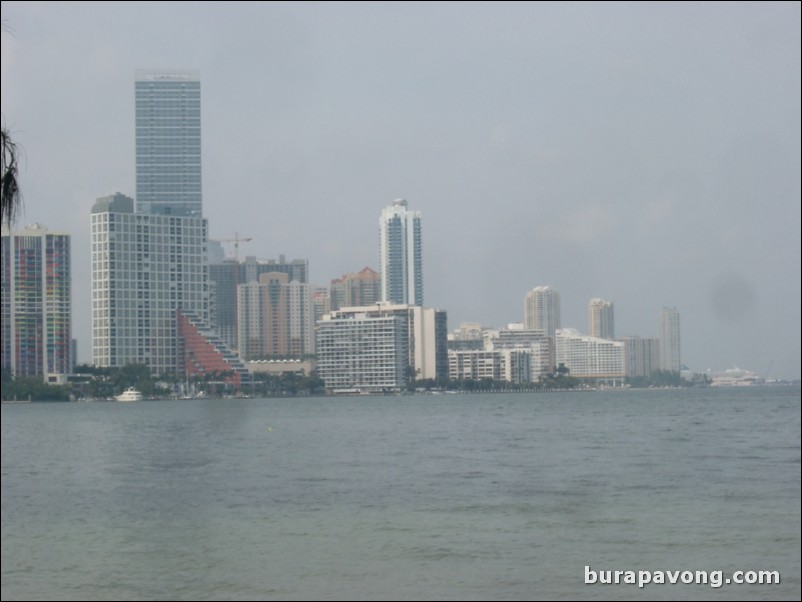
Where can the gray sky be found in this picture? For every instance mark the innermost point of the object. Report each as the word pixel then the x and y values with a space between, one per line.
pixel 644 153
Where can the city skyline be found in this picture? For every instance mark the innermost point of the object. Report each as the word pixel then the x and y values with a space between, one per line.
pixel 577 145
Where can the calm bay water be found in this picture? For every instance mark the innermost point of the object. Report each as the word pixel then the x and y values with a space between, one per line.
pixel 426 497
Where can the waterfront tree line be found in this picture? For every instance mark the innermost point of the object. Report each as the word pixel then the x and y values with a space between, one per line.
pixel 92 382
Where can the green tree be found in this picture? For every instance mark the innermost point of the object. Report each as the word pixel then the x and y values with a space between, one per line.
pixel 134 375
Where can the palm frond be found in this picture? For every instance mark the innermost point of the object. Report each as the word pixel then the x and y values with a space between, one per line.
pixel 11 194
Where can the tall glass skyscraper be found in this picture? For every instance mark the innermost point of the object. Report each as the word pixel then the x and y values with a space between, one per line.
pixel 401 255
pixel 168 143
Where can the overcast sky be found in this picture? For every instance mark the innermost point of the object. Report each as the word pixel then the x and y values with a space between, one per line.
pixel 645 153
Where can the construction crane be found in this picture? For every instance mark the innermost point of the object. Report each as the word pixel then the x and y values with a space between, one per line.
pixel 236 240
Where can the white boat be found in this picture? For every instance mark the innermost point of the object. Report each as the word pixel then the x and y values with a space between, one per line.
pixel 130 394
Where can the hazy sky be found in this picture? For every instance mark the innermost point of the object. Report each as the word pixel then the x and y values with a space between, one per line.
pixel 644 153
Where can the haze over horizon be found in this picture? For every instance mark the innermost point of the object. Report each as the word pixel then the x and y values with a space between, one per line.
pixel 648 154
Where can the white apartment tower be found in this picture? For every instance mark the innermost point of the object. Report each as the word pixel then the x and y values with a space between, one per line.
pixel 601 319
pixel 401 255
pixel 144 267
pixel 363 351
pixel 382 346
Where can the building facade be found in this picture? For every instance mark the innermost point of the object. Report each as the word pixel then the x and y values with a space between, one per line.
pixel 321 303
pixel 589 357
pixel 168 143
pixel 36 304
pixel 601 319
pixel 401 255
pixel 670 356
pixel 201 353
pixel 226 276
pixel 511 365
pixel 425 333
pixel 475 365
pixel 535 342
pixel 468 337
pixel 144 267
pixel 274 318
pixel 355 289
pixel 641 356
pixel 363 352
pixel 542 310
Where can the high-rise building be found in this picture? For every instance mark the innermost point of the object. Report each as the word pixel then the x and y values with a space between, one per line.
pixel 356 289
pixel 358 346
pixel 542 310
pixel 168 143
pixel 363 352
pixel 401 255
pixel 36 304
pixel 144 267
pixel 321 302
pixel 641 356
pixel 274 318
pixel 601 319
pixel 670 358
pixel 151 294
pixel 226 276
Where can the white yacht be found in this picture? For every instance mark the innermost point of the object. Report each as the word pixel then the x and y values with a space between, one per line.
pixel 130 394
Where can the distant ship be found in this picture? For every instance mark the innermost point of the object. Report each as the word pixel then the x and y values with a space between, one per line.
pixel 130 394
pixel 735 377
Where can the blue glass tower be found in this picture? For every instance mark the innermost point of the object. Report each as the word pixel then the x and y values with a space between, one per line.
pixel 401 255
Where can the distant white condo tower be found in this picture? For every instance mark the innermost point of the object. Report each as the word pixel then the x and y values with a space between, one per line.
pixel 542 310
pixel 401 255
